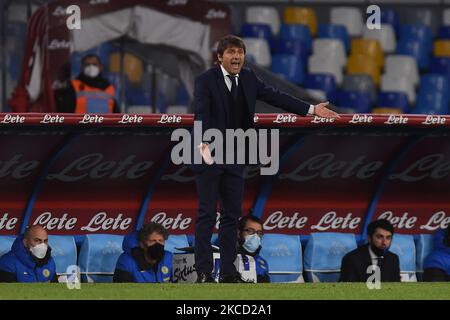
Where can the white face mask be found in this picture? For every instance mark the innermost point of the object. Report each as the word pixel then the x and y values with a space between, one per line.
pixel 91 71
pixel 39 251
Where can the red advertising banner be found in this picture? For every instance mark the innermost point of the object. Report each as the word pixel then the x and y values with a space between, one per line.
pixel 79 174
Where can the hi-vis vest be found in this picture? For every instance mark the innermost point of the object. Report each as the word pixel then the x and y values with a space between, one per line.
pixel 93 100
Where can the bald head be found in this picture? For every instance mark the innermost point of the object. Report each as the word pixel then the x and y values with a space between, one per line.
pixel 35 235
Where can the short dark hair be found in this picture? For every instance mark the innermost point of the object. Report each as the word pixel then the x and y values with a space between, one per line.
pixel 91 55
pixel 243 221
pixel 151 227
pixel 380 223
pixel 230 41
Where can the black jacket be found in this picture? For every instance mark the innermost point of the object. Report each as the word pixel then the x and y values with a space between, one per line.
pixel 355 263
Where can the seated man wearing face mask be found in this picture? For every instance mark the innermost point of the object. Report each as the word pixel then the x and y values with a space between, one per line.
pixel 90 92
pixel 29 259
pixel 250 233
pixel 355 264
pixel 144 259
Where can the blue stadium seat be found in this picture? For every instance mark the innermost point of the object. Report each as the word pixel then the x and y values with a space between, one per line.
pixel 289 67
pixel 444 32
pixel 403 246
pixel 182 96
pixel 64 252
pixel 418 32
pixel 297 32
pixel 333 31
pixel 390 16
pixel 431 102
pixel 393 99
pixel 434 82
pixel 98 257
pixel 321 81
pixel 417 49
pixel 283 254
pixel 323 255
pixel 359 101
pixel 5 244
pixel 257 30
pixel 176 241
pixel 294 47
pixel 440 65
pixel 424 246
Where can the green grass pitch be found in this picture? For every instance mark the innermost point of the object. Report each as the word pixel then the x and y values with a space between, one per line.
pixel 305 291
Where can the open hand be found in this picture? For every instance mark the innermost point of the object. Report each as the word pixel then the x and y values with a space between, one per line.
pixel 322 111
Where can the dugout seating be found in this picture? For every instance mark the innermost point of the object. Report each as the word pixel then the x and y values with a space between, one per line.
pixel 64 252
pixel 403 245
pixel 424 246
pixel 6 243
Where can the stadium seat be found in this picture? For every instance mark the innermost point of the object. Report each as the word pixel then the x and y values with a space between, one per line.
pixel 358 101
pixel 393 99
pixel 177 109
pixel 98 257
pixel 291 46
pixel 298 32
pixel 446 17
pixel 139 109
pixel 444 32
pixel 332 31
pixel 417 49
pixel 385 35
pixel 176 241
pixel 417 32
pixel 423 16
pixel 288 67
pixel 392 82
pixel 429 102
pixel 403 65
pixel 360 64
pixel 257 30
pixel 433 82
pixel 441 48
pixel 381 110
pixel 133 66
pixel 370 48
pixel 424 246
pixel 301 15
pixel 332 49
pixel 323 82
pixel 440 65
pixel 6 243
pixel 64 252
pixel 261 14
pixel 284 256
pixel 323 255
pixel 320 64
pixel 403 246
pixel 259 49
pixel 360 82
pixel 390 16
pixel 349 17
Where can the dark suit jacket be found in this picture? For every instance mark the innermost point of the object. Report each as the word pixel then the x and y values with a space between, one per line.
pixel 211 102
pixel 355 263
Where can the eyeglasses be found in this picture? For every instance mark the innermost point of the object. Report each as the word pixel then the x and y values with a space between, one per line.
pixel 253 231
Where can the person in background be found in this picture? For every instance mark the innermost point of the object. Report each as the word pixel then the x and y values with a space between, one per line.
pixel 437 263
pixel 144 259
pixel 30 259
pixel 355 263
pixel 250 233
pixel 90 92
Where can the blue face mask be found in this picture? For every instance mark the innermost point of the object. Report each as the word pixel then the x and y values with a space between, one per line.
pixel 252 243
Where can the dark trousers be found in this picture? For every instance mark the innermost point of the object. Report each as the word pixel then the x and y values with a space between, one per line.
pixel 214 184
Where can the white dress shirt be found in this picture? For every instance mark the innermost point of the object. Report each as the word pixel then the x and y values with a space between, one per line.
pixel 228 84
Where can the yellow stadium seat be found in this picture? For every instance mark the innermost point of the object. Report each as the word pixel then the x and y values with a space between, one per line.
pixel 133 66
pixel 441 48
pixel 301 15
pixel 361 64
pixel 368 47
pixel 387 110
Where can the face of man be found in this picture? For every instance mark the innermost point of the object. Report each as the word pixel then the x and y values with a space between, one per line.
pixel 92 61
pixel 381 239
pixel 232 59
pixel 36 236
pixel 153 238
pixel 252 227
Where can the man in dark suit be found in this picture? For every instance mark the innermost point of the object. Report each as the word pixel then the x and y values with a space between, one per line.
pixel 224 98
pixel 355 264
